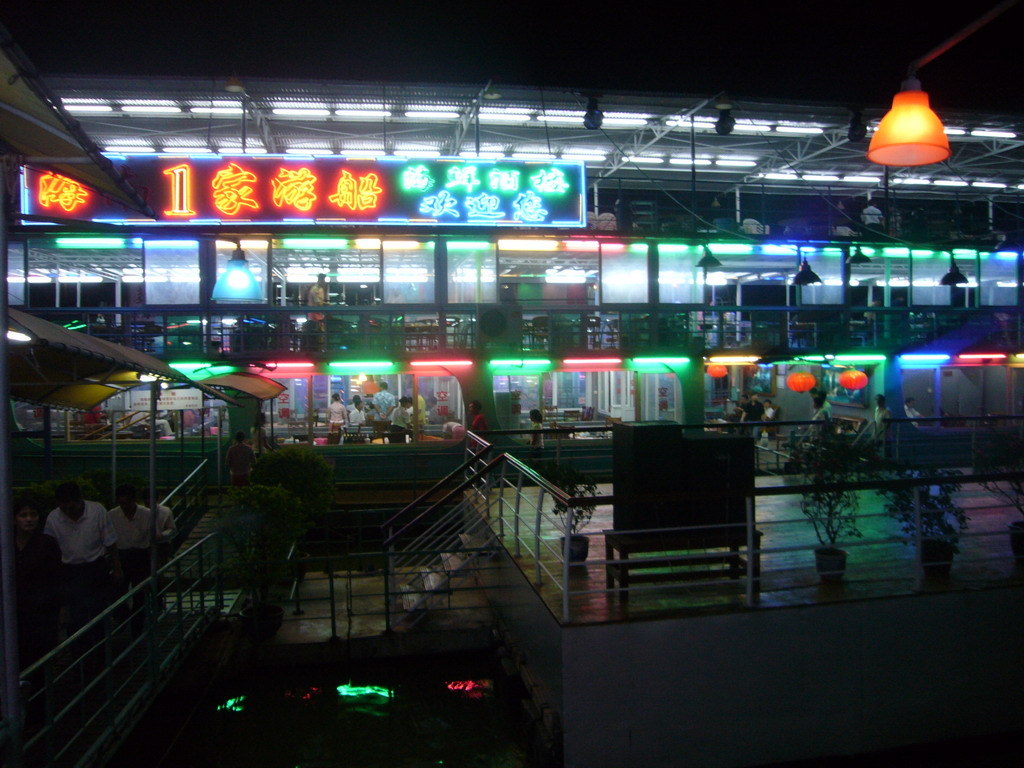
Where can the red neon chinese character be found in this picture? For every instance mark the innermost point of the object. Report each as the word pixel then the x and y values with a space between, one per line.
pixel 295 188
pixel 358 193
pixel 60 190
pixel 231 190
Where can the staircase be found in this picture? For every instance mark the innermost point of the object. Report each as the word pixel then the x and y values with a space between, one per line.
pixel 437 550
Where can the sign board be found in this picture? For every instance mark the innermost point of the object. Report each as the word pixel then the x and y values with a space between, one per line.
pixel 170 400
pixel 295 190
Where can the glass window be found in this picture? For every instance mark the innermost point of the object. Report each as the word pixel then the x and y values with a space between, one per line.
pixel 999 279
pixel 623 273
pixel 16 274
pixel 472 273
pixel 408 272
pixel 548 271
pixel 928 268
pixel 352 268
pixel 678 274
pixel 172 271
pixel 255 252
pixel 83 271
pixel 515 397
pixel 660 397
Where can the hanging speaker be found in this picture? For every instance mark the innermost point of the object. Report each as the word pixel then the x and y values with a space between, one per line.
pixel 500 325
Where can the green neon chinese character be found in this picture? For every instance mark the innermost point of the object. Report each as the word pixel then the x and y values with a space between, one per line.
pixel 463 176
pixel 418 178
pixel 504 181
pixel 549 182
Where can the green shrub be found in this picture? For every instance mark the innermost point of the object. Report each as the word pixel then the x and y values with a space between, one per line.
pixel 302 472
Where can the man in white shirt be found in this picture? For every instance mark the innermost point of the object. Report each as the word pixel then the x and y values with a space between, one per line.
pixel 871 215
pixel 135 530
pixel 86 539
pixel 910 410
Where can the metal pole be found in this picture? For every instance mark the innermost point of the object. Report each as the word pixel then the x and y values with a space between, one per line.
pixel 11 709
pixel 918 564
pixel 47 443
pixel 536 534
pixel 566 548
pixel 154 395
pixel 219 442
pixel 751 600
pixel 113 456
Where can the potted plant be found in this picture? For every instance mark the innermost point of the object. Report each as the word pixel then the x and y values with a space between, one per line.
pixel 572 482
pixel 828 460
pixel 1004 452
pixel 942 519
pixel 259 525
pixel 304 473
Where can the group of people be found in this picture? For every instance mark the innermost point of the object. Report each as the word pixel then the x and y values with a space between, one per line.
pixel 752 409
pixel 73 562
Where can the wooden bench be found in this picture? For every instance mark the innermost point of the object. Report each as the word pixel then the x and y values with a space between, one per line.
pixel 677 556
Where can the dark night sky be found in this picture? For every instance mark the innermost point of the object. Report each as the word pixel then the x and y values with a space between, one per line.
pixel 834 52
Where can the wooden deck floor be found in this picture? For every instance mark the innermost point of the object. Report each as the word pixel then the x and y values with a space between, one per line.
pixel 879 565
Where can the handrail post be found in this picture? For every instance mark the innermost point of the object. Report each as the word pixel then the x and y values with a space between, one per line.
pixel 515 522
pixel 50 706
pixel 330 588
pixel 501 497
pixel 536 535
pixel 566 548
pixel 918 538
pixel 387 587
pixel 219 578
pixel 108 662
pixel 751 600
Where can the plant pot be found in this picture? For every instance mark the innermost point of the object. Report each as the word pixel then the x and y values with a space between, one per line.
pixel 831 564
pixel 262 621
pixel 936 558
pixel 579 548
pixel 1017 540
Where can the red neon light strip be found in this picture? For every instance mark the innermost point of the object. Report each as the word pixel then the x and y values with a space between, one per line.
pixel 442 363
pixel 983 356
pixel 594 360
pixel 291 365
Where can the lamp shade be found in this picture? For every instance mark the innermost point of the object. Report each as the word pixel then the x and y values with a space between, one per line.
pixel 954 276
pixel 801 381
pixel 805 275
pixel 910 134
pixel 237 282
pixel 717 371
pixel 853 379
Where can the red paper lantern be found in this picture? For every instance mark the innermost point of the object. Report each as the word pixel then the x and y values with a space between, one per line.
pixel 717 371
pixel 800 381
pixel 853 379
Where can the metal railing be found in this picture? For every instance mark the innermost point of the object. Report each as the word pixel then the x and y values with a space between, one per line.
pixel 85 694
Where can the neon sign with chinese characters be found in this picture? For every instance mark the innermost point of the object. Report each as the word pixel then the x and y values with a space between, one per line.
pixel 296 190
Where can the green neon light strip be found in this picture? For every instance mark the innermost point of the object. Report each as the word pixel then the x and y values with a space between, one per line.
pixel 364 690
pixel 653 360
pixel 860 358
pixel 90 242
pixel 676 248
pixel 730 248
pixel 362 364
pixel 638 248
pixel 186 367
pixel 517 363
pixel 315 243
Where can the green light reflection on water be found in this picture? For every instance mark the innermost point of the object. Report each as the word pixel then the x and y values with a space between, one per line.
pixel 236 704
pixel 364 690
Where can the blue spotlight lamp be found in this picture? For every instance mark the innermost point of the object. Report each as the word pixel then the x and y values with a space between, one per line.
pixel 237 283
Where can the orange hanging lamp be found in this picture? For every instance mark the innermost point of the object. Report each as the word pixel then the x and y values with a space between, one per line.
pixel 911 133
pixel 853 379
pixel 801 381
pixel 717 371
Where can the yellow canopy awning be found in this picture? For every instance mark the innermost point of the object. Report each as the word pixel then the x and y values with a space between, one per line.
pixel 67 369
pixel 33 124
pixel 260 387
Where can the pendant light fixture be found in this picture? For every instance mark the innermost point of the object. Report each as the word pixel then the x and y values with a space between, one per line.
pixel 858 257
pixel 954 276
pixel 805 275
pixel 911 133
pixel 708 260
pixel 237 283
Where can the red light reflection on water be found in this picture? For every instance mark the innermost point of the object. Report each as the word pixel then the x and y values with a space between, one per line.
pixel 473 689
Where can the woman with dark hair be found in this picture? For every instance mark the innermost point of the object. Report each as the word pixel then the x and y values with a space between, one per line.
pixel 37 579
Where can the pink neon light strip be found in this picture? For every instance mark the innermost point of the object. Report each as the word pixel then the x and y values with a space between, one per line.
pixel 983 356
pixel 291 365
pixel 442 363
pixel 594 360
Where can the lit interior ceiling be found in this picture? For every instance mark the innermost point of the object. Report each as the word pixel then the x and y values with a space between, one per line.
pixel 654 141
